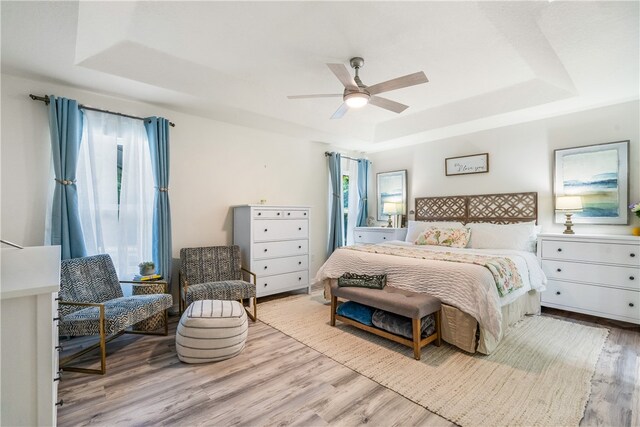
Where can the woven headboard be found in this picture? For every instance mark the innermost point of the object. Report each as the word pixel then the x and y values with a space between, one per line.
pixel 506 208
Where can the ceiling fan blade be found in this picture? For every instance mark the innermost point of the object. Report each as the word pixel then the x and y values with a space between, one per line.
pixel 341 72
pixel 398 83
pixel 327 95
pixel 387 104
pixel 340 111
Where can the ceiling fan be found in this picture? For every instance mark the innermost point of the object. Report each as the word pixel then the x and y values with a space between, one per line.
pixel 357 95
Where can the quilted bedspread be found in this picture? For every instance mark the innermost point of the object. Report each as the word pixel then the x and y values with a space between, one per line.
pixel 467 286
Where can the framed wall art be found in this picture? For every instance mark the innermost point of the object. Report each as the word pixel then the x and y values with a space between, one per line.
pixel 391 188
pixel 599 174
pixel 464 165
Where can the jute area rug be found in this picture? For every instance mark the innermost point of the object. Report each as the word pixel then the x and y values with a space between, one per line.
pixel 540 375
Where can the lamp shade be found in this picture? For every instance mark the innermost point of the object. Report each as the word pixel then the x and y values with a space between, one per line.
pixel 568 203
pixel 390 208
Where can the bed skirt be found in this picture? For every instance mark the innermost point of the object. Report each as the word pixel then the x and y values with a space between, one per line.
pixel 461 329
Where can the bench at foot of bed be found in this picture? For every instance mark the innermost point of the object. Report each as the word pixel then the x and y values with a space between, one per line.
pixel 412 305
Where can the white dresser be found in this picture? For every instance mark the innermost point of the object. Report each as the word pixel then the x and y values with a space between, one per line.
pixel 364 235
pixel 274 242
pixel 29 360
pixel 592 274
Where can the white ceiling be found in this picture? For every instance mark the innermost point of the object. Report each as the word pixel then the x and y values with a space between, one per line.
pixel 489 64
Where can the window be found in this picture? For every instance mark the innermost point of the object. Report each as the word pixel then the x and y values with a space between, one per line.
pixel 116 190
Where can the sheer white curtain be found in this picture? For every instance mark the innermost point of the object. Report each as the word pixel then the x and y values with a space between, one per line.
pixel 123 230
pixel 352 203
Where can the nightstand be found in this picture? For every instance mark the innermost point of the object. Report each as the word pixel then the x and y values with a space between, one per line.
pixel 369 235
pixel 592 274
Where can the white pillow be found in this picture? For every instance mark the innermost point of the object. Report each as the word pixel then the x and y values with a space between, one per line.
pixel 520 236
pixel 415 228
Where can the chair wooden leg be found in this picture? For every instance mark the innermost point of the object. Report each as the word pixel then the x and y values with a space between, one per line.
pixel 416 338
pixel 252 312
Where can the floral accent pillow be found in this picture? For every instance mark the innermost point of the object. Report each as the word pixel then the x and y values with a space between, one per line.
pixel 452 237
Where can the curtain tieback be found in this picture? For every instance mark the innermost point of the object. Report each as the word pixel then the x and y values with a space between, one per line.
pixel 163 189
pixel 336 195
pixel 64 181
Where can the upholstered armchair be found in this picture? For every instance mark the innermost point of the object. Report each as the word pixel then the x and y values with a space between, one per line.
pixel 92 303
pixel 215 272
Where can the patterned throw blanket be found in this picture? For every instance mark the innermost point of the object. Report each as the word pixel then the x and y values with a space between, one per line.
pixel 503 269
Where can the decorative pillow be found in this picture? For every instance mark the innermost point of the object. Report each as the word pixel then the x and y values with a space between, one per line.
pixel 358 312
pixel 401 325
pixel 452 237
pixel 362 281
pixel 416 228
pixel 521 236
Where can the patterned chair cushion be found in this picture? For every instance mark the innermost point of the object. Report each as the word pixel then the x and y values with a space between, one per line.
pixel 210 264
pixel 224 290
pixel 119 314
pixel 88 279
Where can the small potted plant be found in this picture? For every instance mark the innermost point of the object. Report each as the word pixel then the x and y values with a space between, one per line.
pixel 147 268
pixel 635 208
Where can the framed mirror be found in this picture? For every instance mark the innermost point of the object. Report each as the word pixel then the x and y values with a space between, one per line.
pixel 391 188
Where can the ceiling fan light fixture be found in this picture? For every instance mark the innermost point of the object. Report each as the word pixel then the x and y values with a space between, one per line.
pixel 356 99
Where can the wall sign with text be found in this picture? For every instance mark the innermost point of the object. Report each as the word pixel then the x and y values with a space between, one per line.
pixel 476 163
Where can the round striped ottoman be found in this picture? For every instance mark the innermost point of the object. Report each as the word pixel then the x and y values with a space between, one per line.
pixel 211 330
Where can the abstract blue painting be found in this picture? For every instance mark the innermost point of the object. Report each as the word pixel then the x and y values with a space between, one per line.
pixel 599 175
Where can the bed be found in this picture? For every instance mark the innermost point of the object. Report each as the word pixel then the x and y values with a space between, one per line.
pixel 474 316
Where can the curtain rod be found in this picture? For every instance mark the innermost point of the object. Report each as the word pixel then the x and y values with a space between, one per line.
pixel 45 99
pixel 327 154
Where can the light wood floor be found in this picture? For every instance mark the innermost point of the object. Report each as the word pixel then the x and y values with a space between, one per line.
pixel 279 381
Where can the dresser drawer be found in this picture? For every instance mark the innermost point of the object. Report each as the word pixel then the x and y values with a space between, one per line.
pixel 296 214
pixel 596 300
pixel 374 236
pixel 280 249
pixel 267 213
pixel 266 230
pixel 610 275
pixel 592 252
pixel 269 267
pixel 274 284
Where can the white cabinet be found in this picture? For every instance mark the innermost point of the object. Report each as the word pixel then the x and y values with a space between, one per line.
pixel 274 242
pixel 29 359
pixel 368 235
pixel 592 274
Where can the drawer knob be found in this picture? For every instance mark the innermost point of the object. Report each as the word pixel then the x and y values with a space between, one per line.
pixel 265 267
pixel 299 278
pixel 299 228
pixel 60 402
pixel 300 247
pixel 56 319
pixel 288 213
pixel 359 237
pixel 265 250
pixel 559 249
pixel 305 214
pixel 299 262
pixel 265 230
pixel 259 213
pixel 630 304
pixel 384 237
pixel 558 292
pixel 278 213
pixel 59 348
pixel 58 299
pixel 58 378
pixel 265 285
pixel 632 255
pixel 631 278
pixel 559 270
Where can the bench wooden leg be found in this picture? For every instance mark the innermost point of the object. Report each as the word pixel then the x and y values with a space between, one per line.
pixel 416 338
pixel 334 306
pixel 438 317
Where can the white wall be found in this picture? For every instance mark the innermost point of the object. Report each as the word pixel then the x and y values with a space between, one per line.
pixel 214 166
pixel 520 160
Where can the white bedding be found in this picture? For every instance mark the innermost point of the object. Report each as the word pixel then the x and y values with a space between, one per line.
pixel 468 287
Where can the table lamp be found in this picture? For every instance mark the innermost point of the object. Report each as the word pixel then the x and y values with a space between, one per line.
pixel 568 205
pixel 391 209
